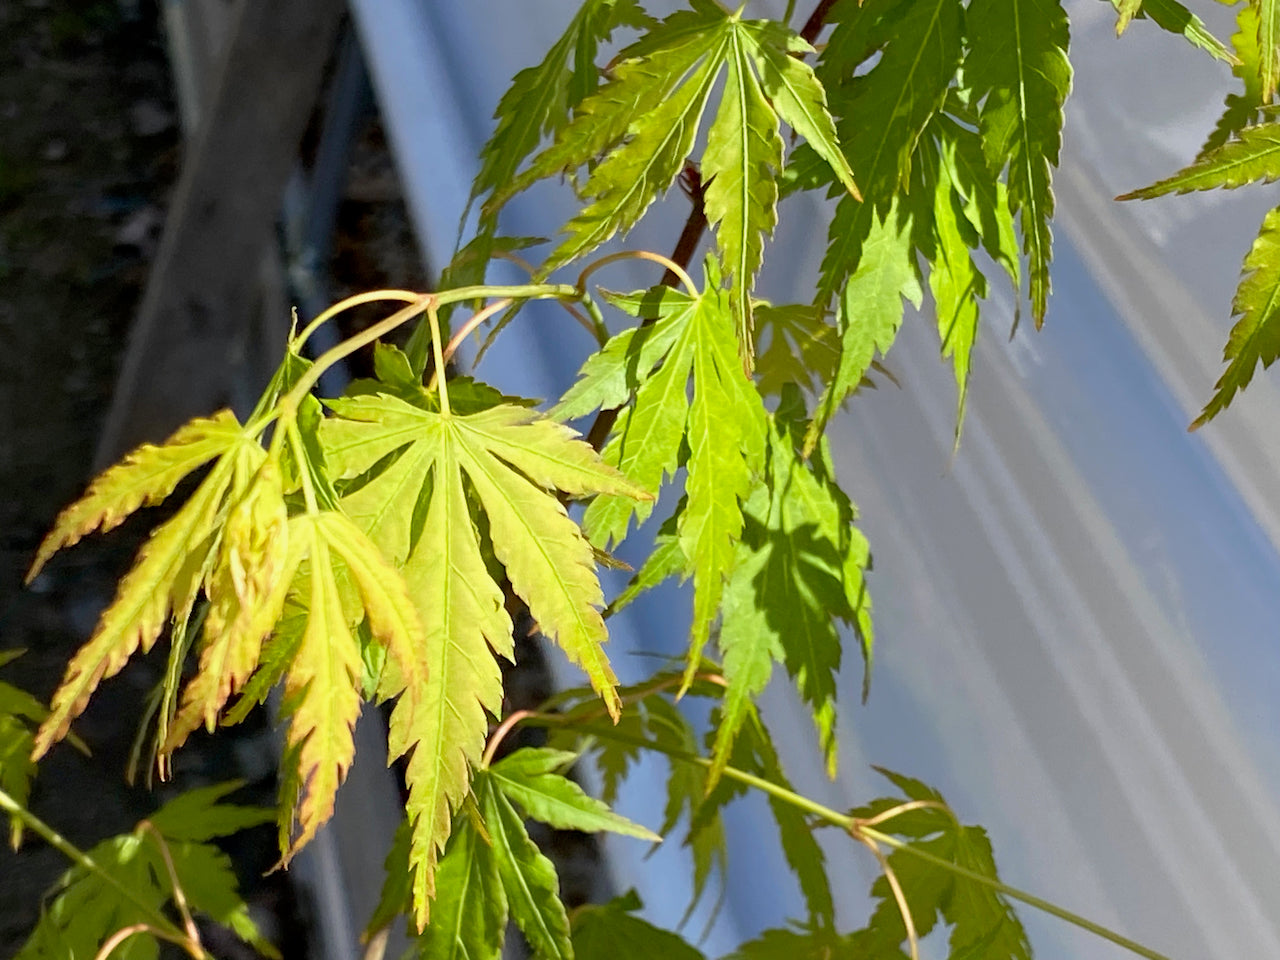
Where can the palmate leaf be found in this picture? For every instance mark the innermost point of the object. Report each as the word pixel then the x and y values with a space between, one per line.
pixel 17 769
pixel 799 572
pixel 883 112
pixel 1242 109
pixel 20 712
pixel 166 575
pixel 869 311
pixel 1255 338
pixel 645 121
pixel 541 99
pixel 248 584
pixel 723 428
pixel 954 279
pixel 651 718
pixel 530 778
pixel 144 477
pixel 322 683
pixel 1268 46
pixel 982 922
pixel 1018 72
pixel 508 459
pixel 789 944
pixel 1172 16
pixel 85 908
pixel 802 348
pixel 612 931
pixel 741 161
pixel 528 878
pixel 754 752
pixel 469 919
pixel 1253 158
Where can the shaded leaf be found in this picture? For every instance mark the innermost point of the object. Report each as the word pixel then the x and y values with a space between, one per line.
pixel 85 908
pixel 612 931
pixel 1017 69
pixel 469 919
pixel 528 878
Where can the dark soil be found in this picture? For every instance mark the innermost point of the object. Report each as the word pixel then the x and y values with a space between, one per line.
pixel 89 149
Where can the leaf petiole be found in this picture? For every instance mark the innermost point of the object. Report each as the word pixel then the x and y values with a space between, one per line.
pixel 658 258
pixel 531 291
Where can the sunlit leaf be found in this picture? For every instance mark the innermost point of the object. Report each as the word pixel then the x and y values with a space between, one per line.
pixel 510 459
pixel 1017 68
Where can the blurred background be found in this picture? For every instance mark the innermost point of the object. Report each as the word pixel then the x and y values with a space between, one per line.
pixel 1074 610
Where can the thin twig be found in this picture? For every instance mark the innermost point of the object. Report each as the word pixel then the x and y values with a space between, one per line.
pixel 913 941
pixel 530 269
pixel 120 936
pixel 817 20
pixel 498 735
pixel 179 897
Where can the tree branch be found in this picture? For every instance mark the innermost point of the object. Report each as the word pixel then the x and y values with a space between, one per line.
pixel 817 20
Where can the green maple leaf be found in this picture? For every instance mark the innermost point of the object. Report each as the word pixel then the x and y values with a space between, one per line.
pixel 652 719
pixel 507 460
pixel 1256 336
pixel 869 311
pixel 1018 73
pixel 644 123
pixel 1268 22
pixel 1175 18
pixel 541 99
pixel 20 714
pixel 788 944
pixel 1245 108
pixel 954 279
pixel 722 427
pixel 612 931
pixel 528 878
pixel 1253 158
pixel 86 908
pixel 469 917
pixel 982 922
pixel 167 572
pixel 799 571
pixel 883 111
pixel 741 160
pixel 802 349
pixel 529 778
pixel 753 752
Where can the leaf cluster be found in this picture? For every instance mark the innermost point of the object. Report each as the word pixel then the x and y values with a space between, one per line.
pixel 1244 148
pixel 128 880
